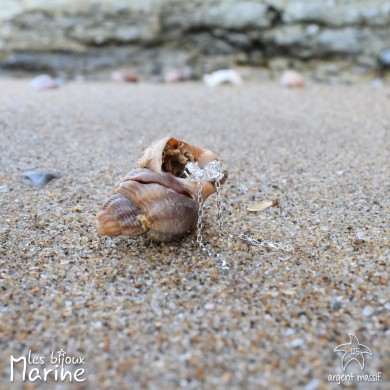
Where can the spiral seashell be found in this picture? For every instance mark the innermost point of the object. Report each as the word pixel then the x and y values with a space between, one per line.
pixel 156 198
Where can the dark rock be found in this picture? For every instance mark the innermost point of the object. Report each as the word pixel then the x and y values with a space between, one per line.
pixel 384 58
pixel 40 178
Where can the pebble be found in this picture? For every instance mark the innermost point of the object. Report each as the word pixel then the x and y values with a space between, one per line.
pixel 297 342
pixel 362 236
pixel 384 58
pixel 124 76
pixel 40 178
pixel 44 82
pixel 259 206
pixel 289 332
pixel 334 304
pixel 223 76
pixel 78 208
pixel 289 292
pixel 4 188
pixel 292 79
pixel 368 310
pixel 312 385
pixel 177 75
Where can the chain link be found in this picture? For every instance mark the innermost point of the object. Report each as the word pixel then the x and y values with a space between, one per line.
pixel 261 244
pixel 195 173
pixel 199 238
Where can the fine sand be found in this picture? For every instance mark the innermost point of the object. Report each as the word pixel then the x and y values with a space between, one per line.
pixel 162 316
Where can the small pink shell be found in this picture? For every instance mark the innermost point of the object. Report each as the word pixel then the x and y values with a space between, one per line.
pixel 177 75
pixel 124 75
pixel 292 79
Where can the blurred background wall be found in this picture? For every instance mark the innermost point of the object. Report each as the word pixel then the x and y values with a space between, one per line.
pixel 327 39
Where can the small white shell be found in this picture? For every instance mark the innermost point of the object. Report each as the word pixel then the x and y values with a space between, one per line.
pixel 223 76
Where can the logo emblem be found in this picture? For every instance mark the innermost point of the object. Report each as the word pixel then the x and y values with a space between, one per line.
pixel 352 351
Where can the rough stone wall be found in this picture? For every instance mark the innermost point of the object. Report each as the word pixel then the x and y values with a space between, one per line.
pixel 324 38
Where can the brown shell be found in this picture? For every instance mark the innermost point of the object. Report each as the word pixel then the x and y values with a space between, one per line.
pixel 155 199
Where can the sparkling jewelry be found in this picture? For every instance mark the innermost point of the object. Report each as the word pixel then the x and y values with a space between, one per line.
pixel 213 171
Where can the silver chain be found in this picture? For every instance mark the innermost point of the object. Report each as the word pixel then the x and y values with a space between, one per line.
pixel 213 171
pixel 199 238
pixel 262 244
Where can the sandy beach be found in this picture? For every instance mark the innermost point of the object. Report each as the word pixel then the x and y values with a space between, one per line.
pixel 145 315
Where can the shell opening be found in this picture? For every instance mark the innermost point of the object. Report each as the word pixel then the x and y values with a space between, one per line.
pixel 175 157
